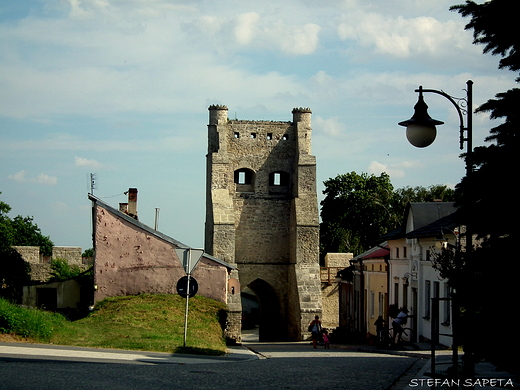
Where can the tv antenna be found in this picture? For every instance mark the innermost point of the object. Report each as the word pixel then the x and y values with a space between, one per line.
pixel 93 178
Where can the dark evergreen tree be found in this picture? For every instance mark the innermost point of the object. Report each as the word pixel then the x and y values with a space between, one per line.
pixel 491 271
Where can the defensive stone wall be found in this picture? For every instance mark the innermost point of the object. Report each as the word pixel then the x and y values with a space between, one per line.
pixel 334 262
pixel 262 215
pixel 40 265
pixel 69 253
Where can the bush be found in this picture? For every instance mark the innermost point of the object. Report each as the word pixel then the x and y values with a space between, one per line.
pixel 28 322
pixel 62 270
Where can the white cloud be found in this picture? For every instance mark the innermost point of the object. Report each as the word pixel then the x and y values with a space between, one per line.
pixel 403 37
pixel 84 162
pixel 42 178
pixel 331 126
pixel 298 40
pixel 246 28
pixel 18 177
pixel 395 170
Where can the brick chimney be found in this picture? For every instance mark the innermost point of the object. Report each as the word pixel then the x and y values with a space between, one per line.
pixel 130 208
pixel 132 202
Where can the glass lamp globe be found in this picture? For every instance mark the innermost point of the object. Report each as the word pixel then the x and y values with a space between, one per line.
pixel 420 135
pixel 420 128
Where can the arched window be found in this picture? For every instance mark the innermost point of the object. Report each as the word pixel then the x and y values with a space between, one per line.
pixel 244 180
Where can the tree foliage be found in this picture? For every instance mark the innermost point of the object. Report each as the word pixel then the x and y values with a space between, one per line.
pixel 88 252
pixel 487 208
pixel 484 206
pixel 14 271
pixel 14 274
pixel 359 208
pixel 62 270
pixel 21 231
pixel 494 26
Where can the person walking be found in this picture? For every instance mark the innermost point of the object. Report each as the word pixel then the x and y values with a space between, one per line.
pixel 315 328
pixel 326 341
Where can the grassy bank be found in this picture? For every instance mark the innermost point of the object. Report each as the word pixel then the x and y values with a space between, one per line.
pixel 143 322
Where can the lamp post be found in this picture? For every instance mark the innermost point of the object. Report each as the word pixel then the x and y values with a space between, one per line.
pixel 421 132
pixel 420 128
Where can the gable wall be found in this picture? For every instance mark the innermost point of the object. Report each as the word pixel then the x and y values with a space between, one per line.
pixel 130 261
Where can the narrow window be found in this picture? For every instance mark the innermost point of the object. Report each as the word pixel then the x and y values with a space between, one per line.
pixel 237 134
pixel 241 177
pixel 436 289
pixel 253 135
pixel 427 299
pixel 278 179
pixel 404 252
pixel 269 136
pixel 405 295
pixel 381 304
pixel 285 137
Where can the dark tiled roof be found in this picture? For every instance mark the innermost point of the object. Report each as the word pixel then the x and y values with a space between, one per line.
pixel 423 214
pixel 434 228
pixel 426 213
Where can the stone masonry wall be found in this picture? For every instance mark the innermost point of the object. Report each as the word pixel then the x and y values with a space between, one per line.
pixel 266 221
pixel 334 262
pixel 40 269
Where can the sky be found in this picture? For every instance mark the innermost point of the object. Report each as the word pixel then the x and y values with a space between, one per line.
pixel 121 89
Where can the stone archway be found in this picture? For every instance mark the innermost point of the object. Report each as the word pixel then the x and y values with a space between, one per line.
pixel 271 326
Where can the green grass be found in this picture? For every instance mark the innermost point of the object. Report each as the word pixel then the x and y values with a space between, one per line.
pixel 143 322
pixel 29 323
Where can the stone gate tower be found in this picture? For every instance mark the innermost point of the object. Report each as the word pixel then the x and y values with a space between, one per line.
pixel 262 215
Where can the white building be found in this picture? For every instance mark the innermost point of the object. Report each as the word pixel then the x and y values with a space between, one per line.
pixel 413 281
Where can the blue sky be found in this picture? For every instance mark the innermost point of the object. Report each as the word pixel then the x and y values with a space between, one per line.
pixel 121 88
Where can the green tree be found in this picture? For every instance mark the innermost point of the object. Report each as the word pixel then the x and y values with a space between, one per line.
pixel 14 271
pixel 356 210
pixel 88 252
pixel 21 231
pixel 62 270
pixel 14 274
pixel 359 208
pixel 486 205
pixel 27 233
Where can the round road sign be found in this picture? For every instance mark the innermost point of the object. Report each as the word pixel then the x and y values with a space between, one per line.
pixel 182 286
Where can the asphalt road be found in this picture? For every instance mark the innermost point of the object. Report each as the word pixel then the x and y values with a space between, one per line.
pixel 280 366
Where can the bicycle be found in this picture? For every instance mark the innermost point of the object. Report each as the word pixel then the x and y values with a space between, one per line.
pixel 386 337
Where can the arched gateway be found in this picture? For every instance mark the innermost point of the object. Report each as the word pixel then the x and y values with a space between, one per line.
pixel 262 215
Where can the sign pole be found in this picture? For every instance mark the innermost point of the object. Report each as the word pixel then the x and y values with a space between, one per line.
pixel 187 299
pixel 184 255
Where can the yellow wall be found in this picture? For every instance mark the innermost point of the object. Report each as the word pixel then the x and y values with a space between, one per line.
pixel 376 291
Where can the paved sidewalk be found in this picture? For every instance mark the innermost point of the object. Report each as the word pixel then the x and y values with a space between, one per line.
pixel 22 351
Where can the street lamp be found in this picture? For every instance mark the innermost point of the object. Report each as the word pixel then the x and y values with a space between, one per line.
pixel 421 132
pixel 420 128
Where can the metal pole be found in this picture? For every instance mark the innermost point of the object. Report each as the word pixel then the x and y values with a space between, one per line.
pixel 434 331
pixel 187 299
pixel 467 111
pixel 156 226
